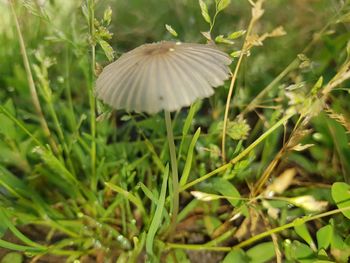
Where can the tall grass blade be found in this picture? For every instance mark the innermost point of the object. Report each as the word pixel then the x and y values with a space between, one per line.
pixel 157 219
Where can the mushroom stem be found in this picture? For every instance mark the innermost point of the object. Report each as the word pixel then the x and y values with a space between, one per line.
pixel 174 172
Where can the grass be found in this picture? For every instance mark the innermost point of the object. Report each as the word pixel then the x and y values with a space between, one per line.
pixel 263 164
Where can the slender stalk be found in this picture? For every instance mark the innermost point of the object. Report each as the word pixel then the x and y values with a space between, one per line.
pixel 31 84
pixel 91 95
pixel 255 238
pixel 174 172
pixel 68 89
pixel 230 92
pixel 286 226
pixel 198 247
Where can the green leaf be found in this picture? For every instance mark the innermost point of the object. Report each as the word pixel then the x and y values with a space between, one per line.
pixel 341 196
pixel 236 54
pixel 236 34
pixel 222 4
pixel 12 257
pixel 236 256
pixel 222 39
pixel 302 252
pixel 7 126
pixel 262 252
pixel 157 219
pixel 287 245
pixel 188 164
pixel 109 52
pixel 324 237
pixel 304 233
pixel 171 30
pixel 225 188
pixel 323 257
pixel 337 242
pixel 205 13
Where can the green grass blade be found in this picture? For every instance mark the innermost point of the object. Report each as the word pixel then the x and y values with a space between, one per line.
pixel 19 124
pixel 132 198
pixel 157 219
pixel 194 108
pixel 5 220
pixel 227 189
pixel 188 164
pixel 58 167
pixel 148 192
pixel 15 247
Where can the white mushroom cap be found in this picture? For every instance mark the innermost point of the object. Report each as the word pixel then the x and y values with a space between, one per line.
pixel 162 76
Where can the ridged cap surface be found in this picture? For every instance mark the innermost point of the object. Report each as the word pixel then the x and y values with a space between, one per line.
pixel 162 76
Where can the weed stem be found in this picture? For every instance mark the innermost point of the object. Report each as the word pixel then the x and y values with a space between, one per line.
pixel 232 84
pixel 91 95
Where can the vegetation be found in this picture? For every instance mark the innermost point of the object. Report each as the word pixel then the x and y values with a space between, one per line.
pixel 264 164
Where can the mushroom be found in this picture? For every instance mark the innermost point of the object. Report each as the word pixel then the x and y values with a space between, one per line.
pixel 163 76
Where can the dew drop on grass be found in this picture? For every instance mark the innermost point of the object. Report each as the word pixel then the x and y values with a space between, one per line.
pixel 10 89
pixel 60 79
pixel 123 241
pixel 317 136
